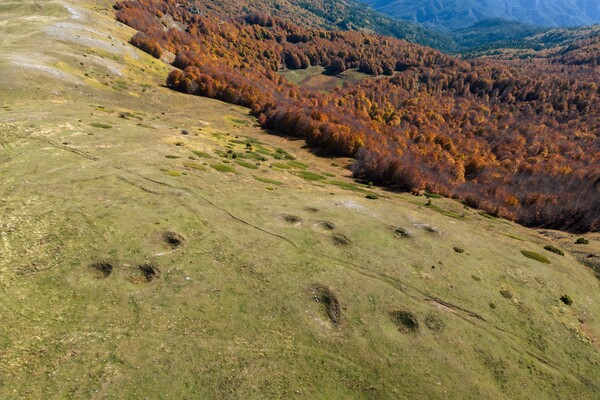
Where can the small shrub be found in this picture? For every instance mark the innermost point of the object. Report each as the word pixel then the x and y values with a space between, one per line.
pixel 458 249
pixel 535 256
pixel 173 173
pixel 582 241
pixel 554 250
pixel 566 299
pixel 372 196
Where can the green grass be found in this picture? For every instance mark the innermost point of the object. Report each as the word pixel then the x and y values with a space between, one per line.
pixel 536 256
pixel 194 165
pixel 252 156
pixel 281 165
pixel 513 237
pixel 445 212
pixel 100 125
pixel 298 164
pixel 281 154
pixel 309 176
pixel 433 195
pixel 223 167
pixel 267 180
pixel 246 164
pixel 344 185
pixel 202 154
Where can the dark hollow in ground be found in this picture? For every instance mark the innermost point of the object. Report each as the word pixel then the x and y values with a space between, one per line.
pixel 340 239
pixel 102 269
pixel 404 320
pixel 291 219
pixel 149 271
pixel 434 323
pixel 327 225
pixel 402 232
pixel 172 239
pixel 329 301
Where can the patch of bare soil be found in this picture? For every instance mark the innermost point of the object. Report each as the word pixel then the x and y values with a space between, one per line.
pixel 102 269
pixel 172 239
pixel 406 321
pixel 329 302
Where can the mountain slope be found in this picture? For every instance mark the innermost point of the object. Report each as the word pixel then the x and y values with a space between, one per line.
pixel 140 259
pixel 454 14
pixel 330 14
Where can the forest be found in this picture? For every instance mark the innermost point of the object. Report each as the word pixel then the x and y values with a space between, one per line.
pixel 518 139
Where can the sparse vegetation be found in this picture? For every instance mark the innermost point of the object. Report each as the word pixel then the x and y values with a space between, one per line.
pixel 554 250
pixel 100 125
pixel 223 167
pixel 246 164
pixel 267 180
pixel 202 154
pixel 310 176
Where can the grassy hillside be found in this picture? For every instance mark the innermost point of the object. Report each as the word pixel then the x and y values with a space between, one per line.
pixel 158 245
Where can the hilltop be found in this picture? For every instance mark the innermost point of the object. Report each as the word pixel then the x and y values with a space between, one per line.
pixel 156 244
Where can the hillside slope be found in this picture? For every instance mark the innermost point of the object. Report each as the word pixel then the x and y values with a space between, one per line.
pixel 139 258
pixel 454 14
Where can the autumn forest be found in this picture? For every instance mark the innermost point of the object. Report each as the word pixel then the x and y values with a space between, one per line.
pixel 518 139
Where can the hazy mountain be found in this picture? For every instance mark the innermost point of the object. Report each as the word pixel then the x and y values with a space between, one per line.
pixel 456 14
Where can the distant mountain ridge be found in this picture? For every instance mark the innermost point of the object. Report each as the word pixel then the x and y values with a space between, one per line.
pixel 457 14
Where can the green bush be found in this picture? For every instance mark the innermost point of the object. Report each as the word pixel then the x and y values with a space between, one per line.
pixel 582 241
pixel 553 249
pixel 372 196
pixel 566 299
pixel 535 256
